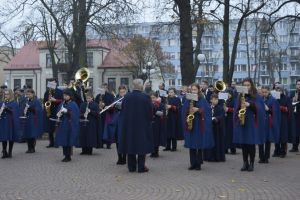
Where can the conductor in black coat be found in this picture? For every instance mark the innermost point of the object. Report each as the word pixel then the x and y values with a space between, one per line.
pixel 136 137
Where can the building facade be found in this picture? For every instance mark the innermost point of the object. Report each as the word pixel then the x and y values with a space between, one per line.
pixel 268 56
pixel 32 66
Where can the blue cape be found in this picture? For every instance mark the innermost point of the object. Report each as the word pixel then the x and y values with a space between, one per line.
pixel 9 122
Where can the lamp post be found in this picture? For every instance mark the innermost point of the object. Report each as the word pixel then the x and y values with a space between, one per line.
pixel 201 57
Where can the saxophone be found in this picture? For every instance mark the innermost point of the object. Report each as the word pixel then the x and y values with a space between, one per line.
pixel 101 103
pixel 295 100
pixel 190 117
pixel 242 111
pixel 48 104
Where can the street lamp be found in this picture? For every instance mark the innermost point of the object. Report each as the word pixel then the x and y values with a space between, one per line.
pixel 148 71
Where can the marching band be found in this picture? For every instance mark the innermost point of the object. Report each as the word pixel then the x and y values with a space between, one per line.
pixel 212 122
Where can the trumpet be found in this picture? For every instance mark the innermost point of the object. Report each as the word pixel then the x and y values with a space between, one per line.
pixel 242 111
pixel 48 104
pixel 190 117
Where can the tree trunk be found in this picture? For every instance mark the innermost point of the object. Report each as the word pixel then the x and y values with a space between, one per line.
pixel 188 71
pixel 247 46
pixel 226 56
pixel 234 49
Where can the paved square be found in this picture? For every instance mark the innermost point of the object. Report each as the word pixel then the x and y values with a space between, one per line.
pixel 42 176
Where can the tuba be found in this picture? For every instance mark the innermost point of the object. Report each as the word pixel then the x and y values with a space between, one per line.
pixel 220 86
pixel 190 117
pixel 242 111
pixel 82 74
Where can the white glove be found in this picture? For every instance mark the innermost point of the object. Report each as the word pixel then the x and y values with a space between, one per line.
pixel 214 118
pixel 64 110
pixel 159 113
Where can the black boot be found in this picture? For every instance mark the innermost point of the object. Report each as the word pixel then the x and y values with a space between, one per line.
pixel 251 167
pixel 4 154
pixel 245 167
pixel 11 145
pixel 119 162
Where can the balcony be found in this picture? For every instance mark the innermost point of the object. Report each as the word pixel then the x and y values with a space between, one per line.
pixel 264 73
pixel 294 59
pixel 207 46
pixel 295 73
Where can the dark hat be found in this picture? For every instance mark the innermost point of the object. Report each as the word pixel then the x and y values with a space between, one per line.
pixel 68 92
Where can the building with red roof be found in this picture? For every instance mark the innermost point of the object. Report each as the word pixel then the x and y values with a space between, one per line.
pixel 32 65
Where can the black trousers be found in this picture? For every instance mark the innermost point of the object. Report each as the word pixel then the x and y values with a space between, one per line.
pixel 264 151
pixel 248 151
pixel 52 127
pixel 67 151
pixel 31 143
pixel 296 143
pixel 136 161
pixel 280 149
pixel 172 142
pixel 87 150
pixel 121 156
pixel 196 158
pixel 10 148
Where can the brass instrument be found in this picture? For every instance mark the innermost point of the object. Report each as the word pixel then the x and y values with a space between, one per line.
pixel 101 103
pixel 2 109
pixel 190 117
pixel 220 86
pixel 48 103
pixel 82 74
pixel 242 111
pixel 295 100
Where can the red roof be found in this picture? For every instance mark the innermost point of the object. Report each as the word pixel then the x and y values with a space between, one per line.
pixel 26 59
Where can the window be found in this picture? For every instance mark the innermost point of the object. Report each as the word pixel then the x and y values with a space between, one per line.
pixel 111 84
pixel 91 82
pixel 240 68
pixel 89 59
pixel 265 81
pixel 124 81
pixel 17 83
pixel 283 81
pixel 171 42
pixel 172 56
pixel 171 82
pixel 48 61
pixel 179 81
pixel 29 83
pixel 294 52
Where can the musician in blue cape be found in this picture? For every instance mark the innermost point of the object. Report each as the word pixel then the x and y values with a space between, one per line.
pixel 67 132
pixel 252 131
pixel 173 128
pixel 104 100
pixel 217 153
pixel 111 130
pixel 157 124
pixel 295 98
pixel 197 134
pixel 286 124
pixel 90 136
pixel 136 136
pixel 55 96
pixel 9 123
pixel 21 101
pixel 272 124
pixel 229 108
pixel 32 120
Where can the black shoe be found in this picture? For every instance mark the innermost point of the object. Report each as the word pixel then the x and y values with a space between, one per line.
pixel 261 161
pixel 9 155
pixel 145 169
pixel 154 155
pixel 167 149
pixel 173 150
pixel 132 170
pixel 282 155
pixel 50 146
pixel 4 155
pixel 294 150
pixel 245 166
pixel 83 153
pixel 275 155
pixel 251 167
pixel 266 161
pixel 198 168
pixel 192 168
pixel 120 162
pixel 66 159
pixel 108 147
